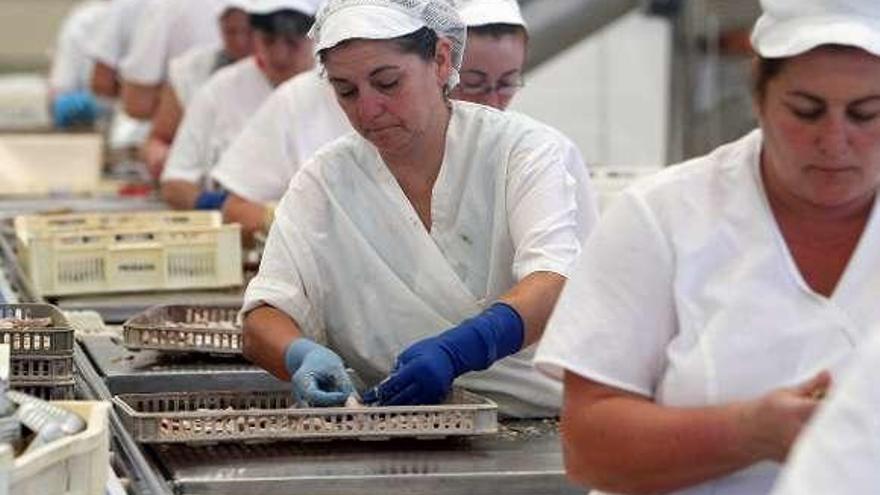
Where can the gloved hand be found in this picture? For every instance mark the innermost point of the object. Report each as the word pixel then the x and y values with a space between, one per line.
pixel 318 374
pixel 424 372
pixel 211 200
pixel 74 107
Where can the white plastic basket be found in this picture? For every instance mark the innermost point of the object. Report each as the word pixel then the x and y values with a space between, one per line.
pixel 94 253
pixel 75 465
pixel 40 164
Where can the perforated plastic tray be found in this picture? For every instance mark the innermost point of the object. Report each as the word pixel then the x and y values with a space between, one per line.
pixel 56 339
pixel 47 391
pixel 50 369
pixel 212 417
pixel 177 328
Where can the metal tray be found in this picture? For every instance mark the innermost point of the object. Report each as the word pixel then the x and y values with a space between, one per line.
pixel 52 340
pixel 213 417
pixel 181 328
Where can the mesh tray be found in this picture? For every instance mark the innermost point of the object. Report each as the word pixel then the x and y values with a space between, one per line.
pixel 52 369
pixel 53 340
pixel 174 328
pixel 57 391
pixel 199 417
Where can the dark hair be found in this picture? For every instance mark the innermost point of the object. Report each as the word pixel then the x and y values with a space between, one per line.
pixel 499 30
pixel 765 69
pixel 422 43
pixel 287 23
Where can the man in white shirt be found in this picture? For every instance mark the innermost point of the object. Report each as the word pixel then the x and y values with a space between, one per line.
pixel 226 102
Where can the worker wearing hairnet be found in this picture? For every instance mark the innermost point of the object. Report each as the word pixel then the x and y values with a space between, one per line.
pixel 303 115
pixel 429 246
pixel 168 28
pixel 70 75
pixel 188 72
pixel 840 450
pixel 227 101
pixel 714 302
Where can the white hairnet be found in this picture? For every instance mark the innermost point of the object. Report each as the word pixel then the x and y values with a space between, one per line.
pixel 341 20
pixel 484 12
pixel 308 7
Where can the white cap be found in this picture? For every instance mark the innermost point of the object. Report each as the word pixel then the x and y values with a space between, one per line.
pixel 482 12
pixel 259 7
pixel 342 20
pixel 792 27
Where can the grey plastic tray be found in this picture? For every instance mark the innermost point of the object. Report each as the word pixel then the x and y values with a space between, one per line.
pixel 179 328
pixel 213 417
pixel 52 340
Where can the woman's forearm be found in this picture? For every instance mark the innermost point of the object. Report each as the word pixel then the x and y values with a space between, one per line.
pixel 266 333
pixel 180 194
pixel 534 298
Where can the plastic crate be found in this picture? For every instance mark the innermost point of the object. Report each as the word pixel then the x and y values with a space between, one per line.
pixel 40 164
pixel 126 252
pixel 182 328
pixel 37 341
pixel 51 369
pixel 47 391
pixel 75 465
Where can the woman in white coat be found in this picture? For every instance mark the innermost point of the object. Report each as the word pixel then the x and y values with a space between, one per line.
pixel 433 242
pixel 712 301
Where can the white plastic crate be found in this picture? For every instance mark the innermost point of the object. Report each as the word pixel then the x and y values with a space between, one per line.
pixel 124 252
pixel 40 164
pixel 75 465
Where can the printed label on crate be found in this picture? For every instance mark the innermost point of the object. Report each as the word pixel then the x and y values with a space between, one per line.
pixel 4 362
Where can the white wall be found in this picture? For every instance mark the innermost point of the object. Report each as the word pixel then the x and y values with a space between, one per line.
pixel 610 93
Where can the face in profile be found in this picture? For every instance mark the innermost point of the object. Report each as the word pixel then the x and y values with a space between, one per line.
pixel 821 121
pixel 390 97
pixel 491 73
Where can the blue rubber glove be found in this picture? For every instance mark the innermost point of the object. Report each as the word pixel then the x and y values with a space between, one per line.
pixel 318 374
pixel 211 200
pixel 74 107
pixel 425 370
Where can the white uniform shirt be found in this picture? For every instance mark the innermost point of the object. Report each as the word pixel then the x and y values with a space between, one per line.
pixel 112 39
pixel 168 29
pixel 840 450
pixel 300 117
pixel 216 115
pixel 188 72
pixel 686 293
pixel 71 63
pixel 349 260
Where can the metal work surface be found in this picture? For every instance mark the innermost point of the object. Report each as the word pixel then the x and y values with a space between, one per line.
pixel 524 459
pixel 128 372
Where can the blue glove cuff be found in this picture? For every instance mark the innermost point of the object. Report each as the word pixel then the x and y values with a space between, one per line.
pixel 211 200
pixel 478 342
pixel 296 353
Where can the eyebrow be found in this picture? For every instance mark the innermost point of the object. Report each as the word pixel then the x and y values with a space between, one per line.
pixel 816 99
pixel 342 80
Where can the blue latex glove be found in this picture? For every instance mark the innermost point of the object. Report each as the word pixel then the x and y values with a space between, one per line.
pixel 74 107
pixel 318 374
pixel 425 370
pixel 211 200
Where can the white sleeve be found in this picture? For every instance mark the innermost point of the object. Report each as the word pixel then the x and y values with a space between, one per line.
pixel 69 61
pixel 585 193
pixel 145 62
pixel 286 268
pixel 190 156
pixel 108 42
pixel 178 80
pixel 541 208
pixel 839 452
pixel 258 164
pixel 616 315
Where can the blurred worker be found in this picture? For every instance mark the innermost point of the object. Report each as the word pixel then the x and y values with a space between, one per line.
pixel 431 244
pixel 73 102
pixel 840 450
pixel 223 105
pixel 186 75
pixel 168 29
pixel 303 116
pixel 714 298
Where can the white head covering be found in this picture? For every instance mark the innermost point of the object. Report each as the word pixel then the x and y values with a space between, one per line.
pixel 342 20
pixel 482 12
pixel 308 7
pixel 792 27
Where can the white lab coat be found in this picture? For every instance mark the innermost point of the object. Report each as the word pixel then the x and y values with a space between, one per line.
pixel 349 260
pixel 840 450
pixel 300 117
pixel 111 40
pixel 216 115
pixel 168 29
pixel 188 72
pixel 71 63
pixel 686 293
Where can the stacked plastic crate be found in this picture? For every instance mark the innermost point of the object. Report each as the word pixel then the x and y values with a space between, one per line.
pixel 41 345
